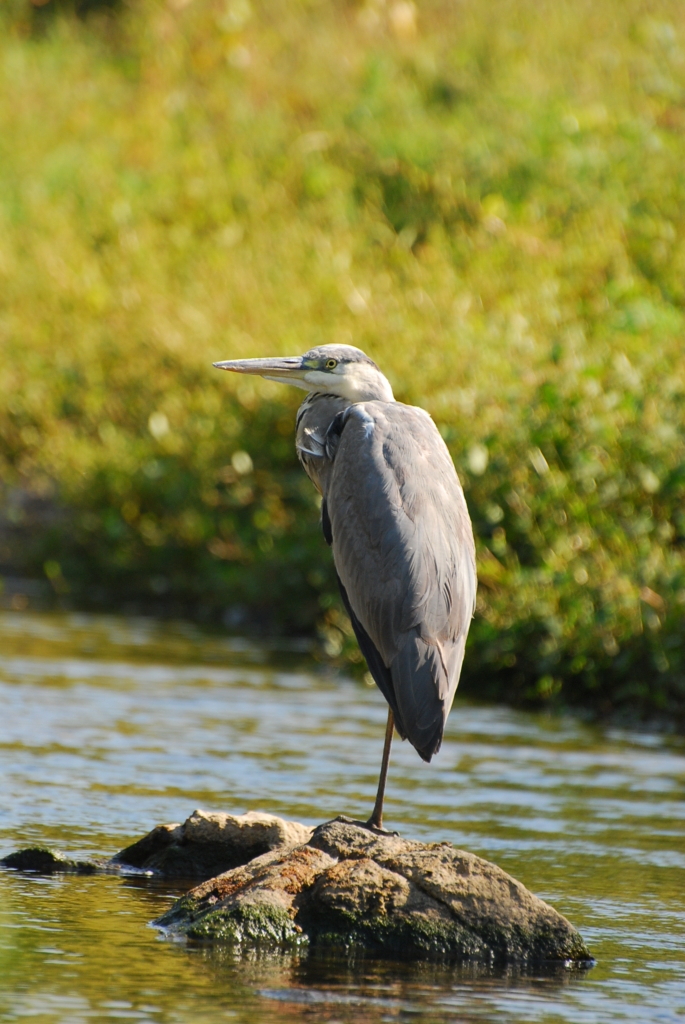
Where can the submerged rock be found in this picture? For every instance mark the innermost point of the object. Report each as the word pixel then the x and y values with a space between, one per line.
pixel 42 861
pixel 348 887
pixel 205 845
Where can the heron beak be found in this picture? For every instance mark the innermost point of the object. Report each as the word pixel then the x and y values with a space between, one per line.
pixel 287 370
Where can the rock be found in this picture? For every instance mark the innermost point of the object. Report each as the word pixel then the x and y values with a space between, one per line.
pixel 347 887
pixel 42 861
pixel 254 903
pixel 278 884
pixel 207 844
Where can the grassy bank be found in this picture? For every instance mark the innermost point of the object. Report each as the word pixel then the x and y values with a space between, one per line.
pixel 490 201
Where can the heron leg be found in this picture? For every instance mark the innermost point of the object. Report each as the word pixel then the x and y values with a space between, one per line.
pixel 376 819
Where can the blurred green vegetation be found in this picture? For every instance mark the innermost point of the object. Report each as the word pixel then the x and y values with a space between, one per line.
pixel 488 198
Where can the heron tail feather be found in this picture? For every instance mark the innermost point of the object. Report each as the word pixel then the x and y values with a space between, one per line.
pixel 422 691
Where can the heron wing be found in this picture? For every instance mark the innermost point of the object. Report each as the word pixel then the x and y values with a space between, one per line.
pixel 403 549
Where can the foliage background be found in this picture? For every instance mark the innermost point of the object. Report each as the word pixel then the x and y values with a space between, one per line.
pixel 487 197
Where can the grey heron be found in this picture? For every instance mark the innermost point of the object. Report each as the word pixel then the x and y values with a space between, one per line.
pixel 394 514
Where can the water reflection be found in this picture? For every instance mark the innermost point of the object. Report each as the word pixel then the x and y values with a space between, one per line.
pixel 109 726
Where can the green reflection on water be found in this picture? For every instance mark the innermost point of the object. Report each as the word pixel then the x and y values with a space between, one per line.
pixel 83 951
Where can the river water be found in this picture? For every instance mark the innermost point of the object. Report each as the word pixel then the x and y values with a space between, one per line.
pixel 109 726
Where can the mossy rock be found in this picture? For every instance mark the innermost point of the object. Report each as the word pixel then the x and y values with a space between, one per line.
pixel 353 889
pixel 252 924
pixel 42 861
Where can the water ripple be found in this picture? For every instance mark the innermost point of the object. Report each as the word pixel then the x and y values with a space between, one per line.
pixel 109 726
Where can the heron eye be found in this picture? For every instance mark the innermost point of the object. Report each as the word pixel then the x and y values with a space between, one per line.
pixel 331 364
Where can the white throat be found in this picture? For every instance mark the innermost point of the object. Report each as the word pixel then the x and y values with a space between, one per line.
pixel 357 382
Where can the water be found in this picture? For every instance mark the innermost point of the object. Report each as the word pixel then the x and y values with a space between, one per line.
pixel 109 726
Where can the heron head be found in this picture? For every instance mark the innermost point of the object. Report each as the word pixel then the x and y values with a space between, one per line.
pixel 332 369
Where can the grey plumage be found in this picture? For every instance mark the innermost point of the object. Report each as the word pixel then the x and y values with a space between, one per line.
pixel 402 547
pixel 394 514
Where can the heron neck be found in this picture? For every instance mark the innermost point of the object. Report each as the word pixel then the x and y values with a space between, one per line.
pixel 368 384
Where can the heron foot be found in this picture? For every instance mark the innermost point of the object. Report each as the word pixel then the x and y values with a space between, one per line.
pixel 377 829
